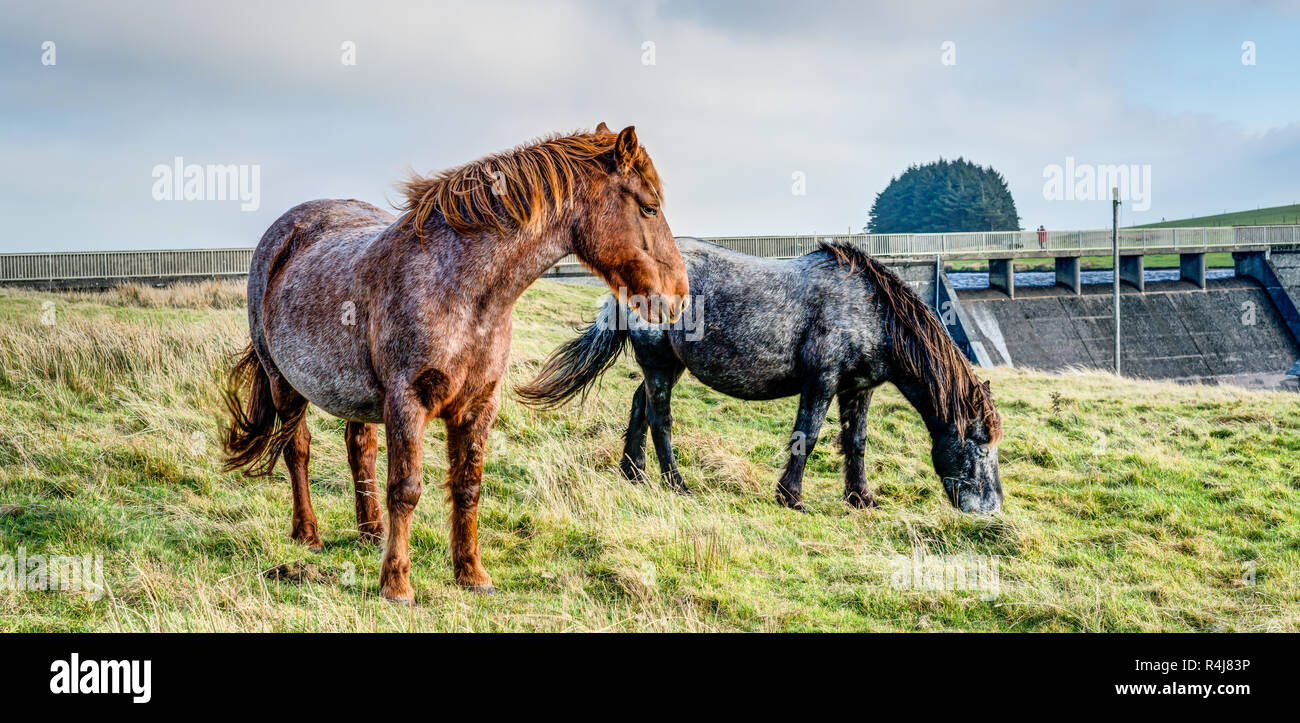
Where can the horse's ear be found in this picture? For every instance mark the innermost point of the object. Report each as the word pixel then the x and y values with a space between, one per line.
pixel 602 128
pixel 625 149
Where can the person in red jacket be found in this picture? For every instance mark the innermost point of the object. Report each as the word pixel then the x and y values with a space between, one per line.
pixel 1042 236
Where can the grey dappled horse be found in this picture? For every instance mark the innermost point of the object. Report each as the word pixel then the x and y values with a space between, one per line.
pixel 832 323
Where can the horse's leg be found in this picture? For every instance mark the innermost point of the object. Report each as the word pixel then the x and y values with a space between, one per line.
pixel 853 442
pixel 404 419
pixel 363 448
pixel 291 408
pixel 296 454
pixel 659 395
pixel 813 403
pixel 633 462
pixel 466 440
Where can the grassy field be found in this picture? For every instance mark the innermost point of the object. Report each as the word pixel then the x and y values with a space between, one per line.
pixel 1258 217
pixel 1130 506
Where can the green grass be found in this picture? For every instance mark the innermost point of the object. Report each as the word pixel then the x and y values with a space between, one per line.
pixel 1130 506
pixel 1092 263
pixel 1276 215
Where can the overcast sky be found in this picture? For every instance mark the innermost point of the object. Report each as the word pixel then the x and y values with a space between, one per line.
pixel 739 98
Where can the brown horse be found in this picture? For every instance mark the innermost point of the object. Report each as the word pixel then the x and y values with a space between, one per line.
pixel 376 320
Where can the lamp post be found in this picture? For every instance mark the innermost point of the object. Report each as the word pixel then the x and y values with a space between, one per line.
pixel 1114 240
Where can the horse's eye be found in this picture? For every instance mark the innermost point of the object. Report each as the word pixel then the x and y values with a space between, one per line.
pixel 649 210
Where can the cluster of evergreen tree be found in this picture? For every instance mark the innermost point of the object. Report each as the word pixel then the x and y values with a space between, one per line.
pixel 944 197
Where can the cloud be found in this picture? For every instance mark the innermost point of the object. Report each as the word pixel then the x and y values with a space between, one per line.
pixel 741 96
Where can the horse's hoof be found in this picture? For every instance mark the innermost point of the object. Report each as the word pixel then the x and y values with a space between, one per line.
pixel 313 544
pixel 785 500
pixel 861 501
pixel 305 533
pixel 633 473
pixel 482 589
pixel 673 479
pixel 402 597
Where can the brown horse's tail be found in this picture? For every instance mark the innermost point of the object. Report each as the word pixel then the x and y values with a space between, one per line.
pixel 575 366
pixel 257 434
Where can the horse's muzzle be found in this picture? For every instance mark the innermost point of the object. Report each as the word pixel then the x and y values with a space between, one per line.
pixel 667 309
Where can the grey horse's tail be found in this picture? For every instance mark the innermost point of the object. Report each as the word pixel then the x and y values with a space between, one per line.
pixel 574 367
pixel 257 434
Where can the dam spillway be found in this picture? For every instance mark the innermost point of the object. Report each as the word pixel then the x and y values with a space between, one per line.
pixel 1227 333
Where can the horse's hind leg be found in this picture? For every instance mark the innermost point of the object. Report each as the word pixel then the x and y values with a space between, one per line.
pixel 294 442
pixel 853 442
pixel 659 395
pixel 813 402
pixel 296 454
pixel 363 448
pixel 633 462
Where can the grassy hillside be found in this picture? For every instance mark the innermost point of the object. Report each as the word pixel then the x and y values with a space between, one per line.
pixel 1257 217
pixel 1129 505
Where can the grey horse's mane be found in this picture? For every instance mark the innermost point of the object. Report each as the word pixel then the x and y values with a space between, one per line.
pixel 921 347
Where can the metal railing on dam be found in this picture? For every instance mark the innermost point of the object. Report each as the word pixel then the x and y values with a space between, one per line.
pixel 975 245
pixel 207 263
pixel 170 264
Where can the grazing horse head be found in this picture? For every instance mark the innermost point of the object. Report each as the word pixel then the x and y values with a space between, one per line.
pixel 938 379
pixel 967 462
pixel 625 237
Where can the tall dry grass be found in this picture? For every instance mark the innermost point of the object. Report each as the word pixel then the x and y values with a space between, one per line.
pixel 208 294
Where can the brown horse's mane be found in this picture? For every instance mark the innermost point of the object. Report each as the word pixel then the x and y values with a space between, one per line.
pixel 518 188
pixel 921 347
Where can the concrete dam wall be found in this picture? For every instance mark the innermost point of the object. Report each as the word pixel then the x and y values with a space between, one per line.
pixel 1227 332
pixel 1240 330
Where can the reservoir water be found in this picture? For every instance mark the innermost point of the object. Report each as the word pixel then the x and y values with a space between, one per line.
pixel 980 279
